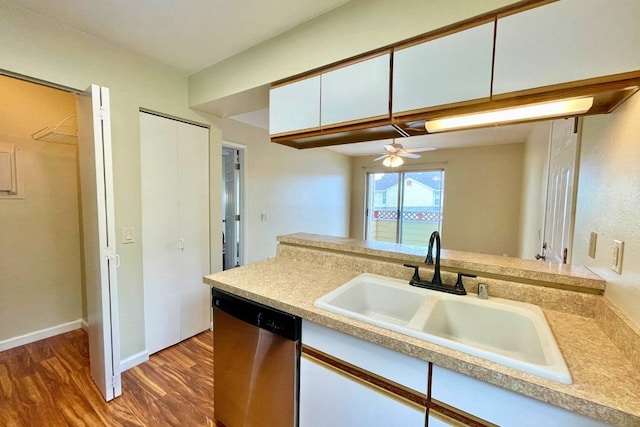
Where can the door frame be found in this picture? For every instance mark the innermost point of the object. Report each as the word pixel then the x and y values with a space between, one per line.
pixel 242 199
pixel 112 365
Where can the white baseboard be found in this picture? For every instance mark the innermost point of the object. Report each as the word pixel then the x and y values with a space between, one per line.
pixel 134 360
pixel 40 335
pixel 85 325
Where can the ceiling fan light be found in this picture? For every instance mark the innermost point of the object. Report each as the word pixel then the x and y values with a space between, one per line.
pixel 393 161
pixel 526 112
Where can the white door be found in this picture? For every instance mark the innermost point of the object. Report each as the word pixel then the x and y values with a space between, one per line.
pixel 193 228
pixel 561 190
pixel 98 227
pixel 175 229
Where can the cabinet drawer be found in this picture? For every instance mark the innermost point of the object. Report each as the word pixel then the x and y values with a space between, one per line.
pixel 566 41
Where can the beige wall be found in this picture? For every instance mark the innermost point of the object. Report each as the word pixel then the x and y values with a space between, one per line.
pixel 481 196
pixel 357 27
pixel 299 190
pixel 534 182
pixel 38 47
pixel 41 48
pixel 40 276
pixel 609 199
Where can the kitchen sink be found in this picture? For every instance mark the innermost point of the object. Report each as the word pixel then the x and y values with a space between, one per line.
pixel 378 300
pixel 508 332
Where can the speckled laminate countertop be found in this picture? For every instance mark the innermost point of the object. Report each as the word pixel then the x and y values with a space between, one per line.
pixel 554 274
pixel 605 385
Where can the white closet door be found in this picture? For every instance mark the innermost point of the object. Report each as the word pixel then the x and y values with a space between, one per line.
pixel 193 226
pixel 160 240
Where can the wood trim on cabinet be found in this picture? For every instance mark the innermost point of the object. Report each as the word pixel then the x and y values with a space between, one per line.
pixel 445 31
pixel 371 379
pixel 513 10
pixel 458 415
pixel 578 87
pixel 333 66
pixel 607 96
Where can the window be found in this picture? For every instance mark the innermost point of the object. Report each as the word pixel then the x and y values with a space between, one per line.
pixel 404 207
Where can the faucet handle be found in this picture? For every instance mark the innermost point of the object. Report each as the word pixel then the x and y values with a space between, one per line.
pixel 459 285
pixel 416 274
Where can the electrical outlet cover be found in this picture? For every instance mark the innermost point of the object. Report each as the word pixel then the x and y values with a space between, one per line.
pixel 593 239
pixel 618 251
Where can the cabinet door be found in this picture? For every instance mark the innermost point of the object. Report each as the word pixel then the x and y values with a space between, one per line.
pixel 449 69
pixel 331 398
pixel 566 41
pixel 295 106
pixel 193 228
pixel 355 92
pixel 499 406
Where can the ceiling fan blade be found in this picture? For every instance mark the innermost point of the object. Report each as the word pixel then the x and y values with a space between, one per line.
pixel 419 150
pixel 409 155
pixel 381 157
pixel 390 148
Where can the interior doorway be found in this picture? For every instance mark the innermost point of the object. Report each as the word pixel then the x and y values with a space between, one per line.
pixel 232 205
pixel 57 246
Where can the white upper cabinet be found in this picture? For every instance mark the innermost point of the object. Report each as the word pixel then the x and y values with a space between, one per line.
pixel 565 41
pixel 295 106
pixel 453 68
pixel 357 91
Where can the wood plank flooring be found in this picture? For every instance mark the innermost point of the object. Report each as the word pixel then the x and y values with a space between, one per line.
pixel 48 383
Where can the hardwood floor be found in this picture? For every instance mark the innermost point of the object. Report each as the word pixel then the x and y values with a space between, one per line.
pixel 48 383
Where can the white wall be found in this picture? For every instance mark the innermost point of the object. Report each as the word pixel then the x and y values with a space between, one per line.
pixel 534 190
pixel 481 196
pixel 358 26
pixel 299 190
pixel 609 199
pixel 40 273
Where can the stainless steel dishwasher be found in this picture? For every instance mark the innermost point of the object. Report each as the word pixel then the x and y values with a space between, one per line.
pixel 256 359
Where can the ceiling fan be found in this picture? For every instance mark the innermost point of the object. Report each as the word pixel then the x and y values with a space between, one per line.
pixel 394 153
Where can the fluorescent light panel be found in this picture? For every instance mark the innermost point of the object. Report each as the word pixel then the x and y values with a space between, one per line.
pixel 527 112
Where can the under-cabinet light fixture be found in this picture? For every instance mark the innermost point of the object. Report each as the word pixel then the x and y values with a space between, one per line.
pixel 393 161
pixel 542 110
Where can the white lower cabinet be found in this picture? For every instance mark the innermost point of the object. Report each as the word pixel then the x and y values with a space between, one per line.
pixel 497 405
pixel 346 381
pixel 332 398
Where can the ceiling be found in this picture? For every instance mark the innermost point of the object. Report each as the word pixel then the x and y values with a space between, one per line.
pixel 188 35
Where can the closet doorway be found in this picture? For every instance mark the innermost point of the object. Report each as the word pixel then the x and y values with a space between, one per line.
pixel 232 196
pixel 175 229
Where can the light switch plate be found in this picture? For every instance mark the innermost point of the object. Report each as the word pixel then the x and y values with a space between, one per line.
pixel 618 251
pixel 127 235
pixel 593 239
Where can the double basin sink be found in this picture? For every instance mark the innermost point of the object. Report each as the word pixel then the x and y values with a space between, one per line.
pixel 510 333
